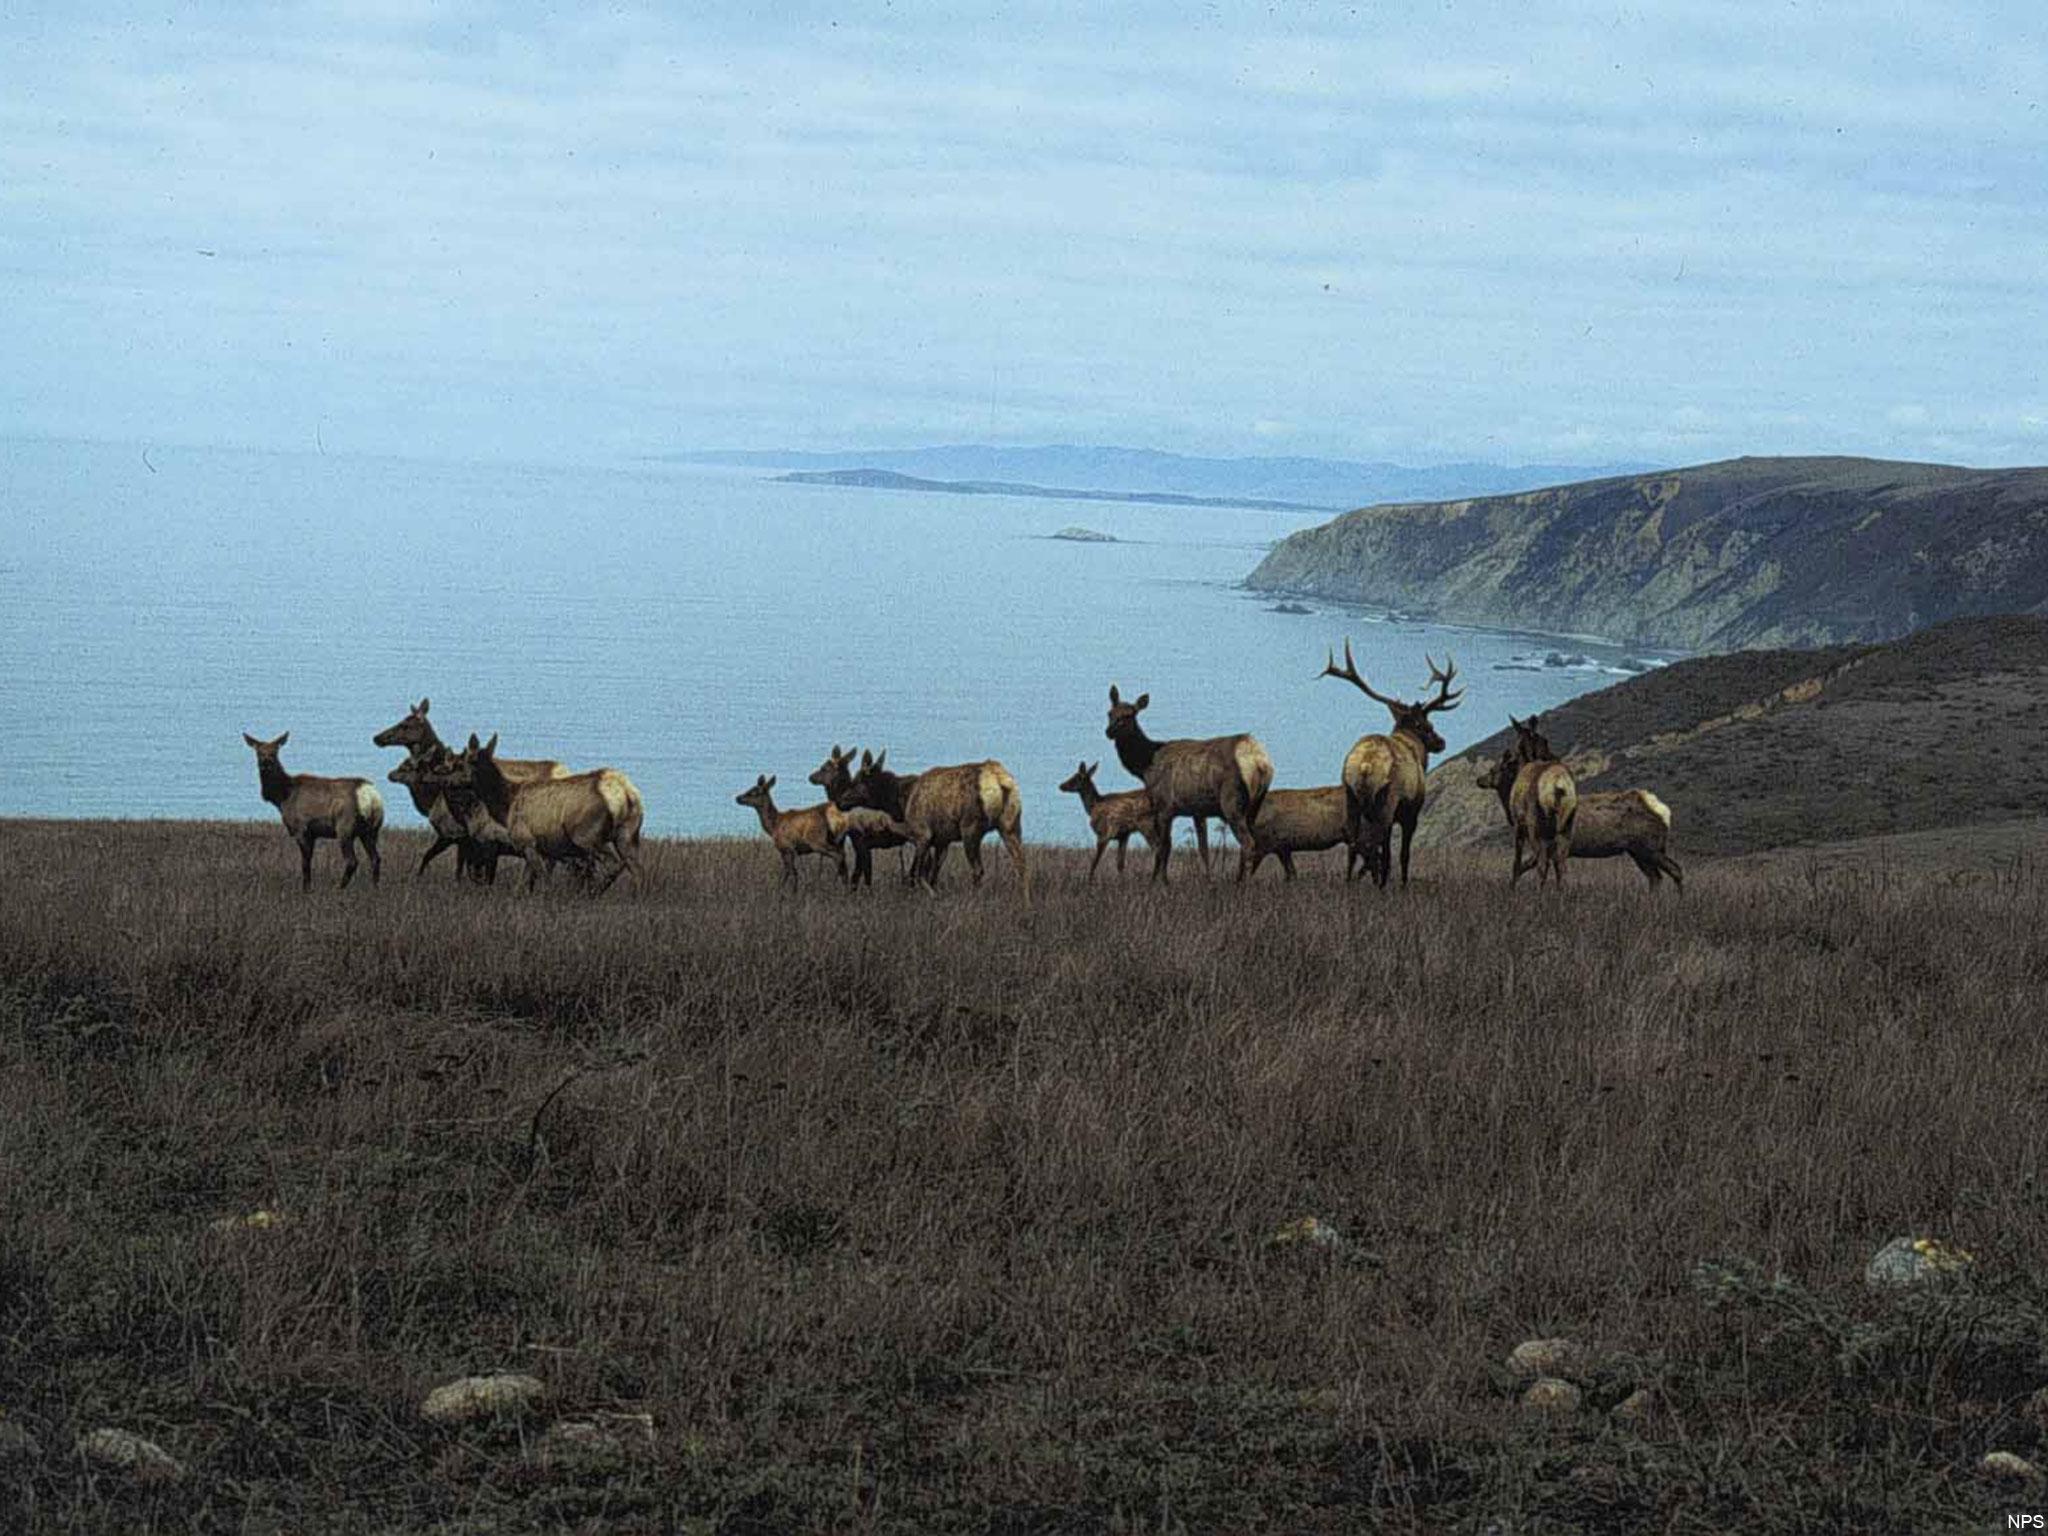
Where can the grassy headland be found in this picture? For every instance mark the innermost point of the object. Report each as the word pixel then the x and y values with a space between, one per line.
pixel 901 1214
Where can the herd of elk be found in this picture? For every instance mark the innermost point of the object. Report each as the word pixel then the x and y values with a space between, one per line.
pixel 487 807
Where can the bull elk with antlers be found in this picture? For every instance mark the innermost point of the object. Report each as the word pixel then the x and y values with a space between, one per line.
pixel 348 810
pixel 1225 776
pixel 1384 782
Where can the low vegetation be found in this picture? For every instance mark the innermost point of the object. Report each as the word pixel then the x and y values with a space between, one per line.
pixel 1203 1208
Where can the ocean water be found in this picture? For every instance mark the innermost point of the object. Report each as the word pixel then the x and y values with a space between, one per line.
pixel 691 626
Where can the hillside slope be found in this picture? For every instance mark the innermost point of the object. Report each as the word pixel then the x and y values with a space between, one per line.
pixel 1770 749
pixel 1751 552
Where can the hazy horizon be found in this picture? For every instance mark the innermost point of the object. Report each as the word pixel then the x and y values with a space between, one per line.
pixel 1472 235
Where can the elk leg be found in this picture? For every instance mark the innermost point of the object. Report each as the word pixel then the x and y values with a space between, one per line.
pixel 1407 832
pixel 1162 845
pixel 1286 864
pixel 306 841
pixel 369 841
pixel 1013 840
pixel 442 842
pixel 971 846
pixel 1520 868
pixel 1202 841
pixel 347 844
pixel 1102 847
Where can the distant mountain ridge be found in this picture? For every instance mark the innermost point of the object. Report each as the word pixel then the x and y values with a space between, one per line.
pixel 890 480
pixel 1743 553
pixel 1317 483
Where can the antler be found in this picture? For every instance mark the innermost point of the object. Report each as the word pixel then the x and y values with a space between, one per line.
pixel 1445 698
pixel 1349 672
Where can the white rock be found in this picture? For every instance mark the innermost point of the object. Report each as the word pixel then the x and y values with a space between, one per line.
pixel 1545 1357
pixel 1910 1261
pixel 1639 1407
pixel 1311 1230
pixel 1550 1395
pixel 119 1451
pixel 481 1397
pixel 2003 1464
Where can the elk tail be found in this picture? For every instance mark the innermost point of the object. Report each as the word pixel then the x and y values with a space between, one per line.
pixel 1256 768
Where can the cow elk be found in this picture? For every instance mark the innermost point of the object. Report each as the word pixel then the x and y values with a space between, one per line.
pixel 1305 821
pixel 811 829
pixel 963 803
pixel 1542 805
pixel 1610 822
pixel 592 817
pixel 348 810
pixel 416 733
pixel 1114 817
pixel 1384 783
pixel 1225 776
pixel 869 827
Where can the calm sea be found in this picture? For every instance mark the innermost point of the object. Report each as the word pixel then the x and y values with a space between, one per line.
pixel 692 626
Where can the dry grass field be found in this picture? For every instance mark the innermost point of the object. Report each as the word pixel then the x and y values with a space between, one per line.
pixel 913 1215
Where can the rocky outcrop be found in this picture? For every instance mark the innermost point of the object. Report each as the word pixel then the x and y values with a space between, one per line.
pixel 1753 552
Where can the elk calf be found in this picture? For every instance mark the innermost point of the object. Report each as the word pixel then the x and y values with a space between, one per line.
pixel 458 817
pixel 348 810
pixel 1305 821
pixel 416 733
pixel 1114 817
pixel 819 829
pixel 1541 801
pixel 870 826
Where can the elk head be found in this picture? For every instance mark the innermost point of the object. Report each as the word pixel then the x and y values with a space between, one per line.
pixel 412 731
pixel 1412 718
pixel 266 751
pixel 1531 745
pixel 1500 778
pixel 759 796
pixel 1081 781
pixel 835 773
pixel 1123 717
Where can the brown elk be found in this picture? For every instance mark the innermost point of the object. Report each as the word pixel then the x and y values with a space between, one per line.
pixel 1384 783
pixel 1305 821
pixel 1611 822
pixel 594 816
pixel 1542 802
pixel 348 810
pixel 1113 817
pixel 875 826
pixel 416 733
pixel 1225 776
pixel 963 803
pixel 819 829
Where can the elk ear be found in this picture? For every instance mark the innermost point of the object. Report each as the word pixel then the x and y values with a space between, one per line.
pixel 1093 766
pixel 472 741
pixel 490 748
pixel 769 782
pixel 282 739
pixel 1113 699
pixel 867 759
pixel 879 757
pixel 1141 701
pixel 251 739
pixel 422 708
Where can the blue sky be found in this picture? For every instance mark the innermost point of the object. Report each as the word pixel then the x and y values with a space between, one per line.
pixel 1417 232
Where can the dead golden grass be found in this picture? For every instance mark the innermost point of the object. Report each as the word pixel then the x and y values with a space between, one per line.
pixel 908 1214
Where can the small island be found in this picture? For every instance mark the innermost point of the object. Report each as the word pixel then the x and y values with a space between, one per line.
pixel 1290 608
pixel 1078 535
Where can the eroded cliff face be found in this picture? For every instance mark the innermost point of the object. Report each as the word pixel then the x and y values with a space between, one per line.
pixel 1743 554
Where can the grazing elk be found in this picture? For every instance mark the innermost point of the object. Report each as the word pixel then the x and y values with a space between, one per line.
pixel 963 803
pixel 1542 804
pixel 819 829
pixel 1305 821
pixel 1384 783
pixel 874 826
pixel 416 733
pixel 1225 776
pixel 348 810
pixel 594 816
pixel 1114 817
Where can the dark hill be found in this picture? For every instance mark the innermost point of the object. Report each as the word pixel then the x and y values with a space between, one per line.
pixel 1767 749
pixel 1751 552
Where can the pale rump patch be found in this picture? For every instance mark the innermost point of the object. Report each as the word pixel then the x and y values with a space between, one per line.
pixel 996 789
pixel 1657 808
pixel 1254 767
pixel 369 805
pixel 1368 765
